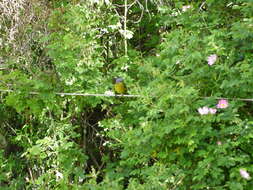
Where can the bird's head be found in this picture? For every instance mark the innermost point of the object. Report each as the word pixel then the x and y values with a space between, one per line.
pixel 118 80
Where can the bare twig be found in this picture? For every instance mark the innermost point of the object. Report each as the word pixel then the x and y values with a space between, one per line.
pixel 202 5
pixel 142 10
pixel 128 5
pixel 124 95
pixel 81 94
pixel 125 27
pixel 178 183
pixel 146 7
pixel 239 99
pixel 30 173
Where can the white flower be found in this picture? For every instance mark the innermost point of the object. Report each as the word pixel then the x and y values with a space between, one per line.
pixel 70 81
pixel 107 2
pixel 184 8
pixel 95 1
pixel 203 111
pixel 126 33
pixel 115 26
pixel 58 175
pixel 109 93
pixel 211 59
pixel 105 143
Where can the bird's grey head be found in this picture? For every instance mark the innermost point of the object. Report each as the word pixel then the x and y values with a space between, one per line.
pixel 119 80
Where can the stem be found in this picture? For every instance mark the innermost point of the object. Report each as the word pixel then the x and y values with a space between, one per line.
pixel 78 94
pixel 125 27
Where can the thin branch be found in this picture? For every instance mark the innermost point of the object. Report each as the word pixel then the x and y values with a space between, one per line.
pixel 128 5
pixel 125 27
pixel 142 10
pixel 240 99
pixel 125 95
pixel 178 182
pixel 81 94
pixel 31 174
pixel 202 5
pixel 146 6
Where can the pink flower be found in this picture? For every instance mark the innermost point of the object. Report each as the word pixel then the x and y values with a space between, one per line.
pixel 203 111
pixel 222 104
pixel 244 174
pixel 211 59
pixel 219 143
pixel 212 110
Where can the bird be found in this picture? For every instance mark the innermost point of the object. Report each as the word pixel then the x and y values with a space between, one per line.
pixel 119 86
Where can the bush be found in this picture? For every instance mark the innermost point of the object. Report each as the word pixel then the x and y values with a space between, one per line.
pixel 191 127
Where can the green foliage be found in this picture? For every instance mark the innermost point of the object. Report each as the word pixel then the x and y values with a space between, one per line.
pixel 10 171
pixel 181 57
pixel 165 127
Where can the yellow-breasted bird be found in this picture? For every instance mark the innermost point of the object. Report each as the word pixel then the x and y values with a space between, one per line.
pixel 119 86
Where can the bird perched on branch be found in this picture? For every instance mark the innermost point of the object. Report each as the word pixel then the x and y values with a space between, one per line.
pixel 119 86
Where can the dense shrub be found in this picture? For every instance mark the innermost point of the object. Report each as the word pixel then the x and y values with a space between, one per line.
pixel 190 128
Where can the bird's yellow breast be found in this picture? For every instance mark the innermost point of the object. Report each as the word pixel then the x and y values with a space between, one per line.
pixel 120 88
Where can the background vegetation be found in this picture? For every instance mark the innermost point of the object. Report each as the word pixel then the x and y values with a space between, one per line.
pixel 181 57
